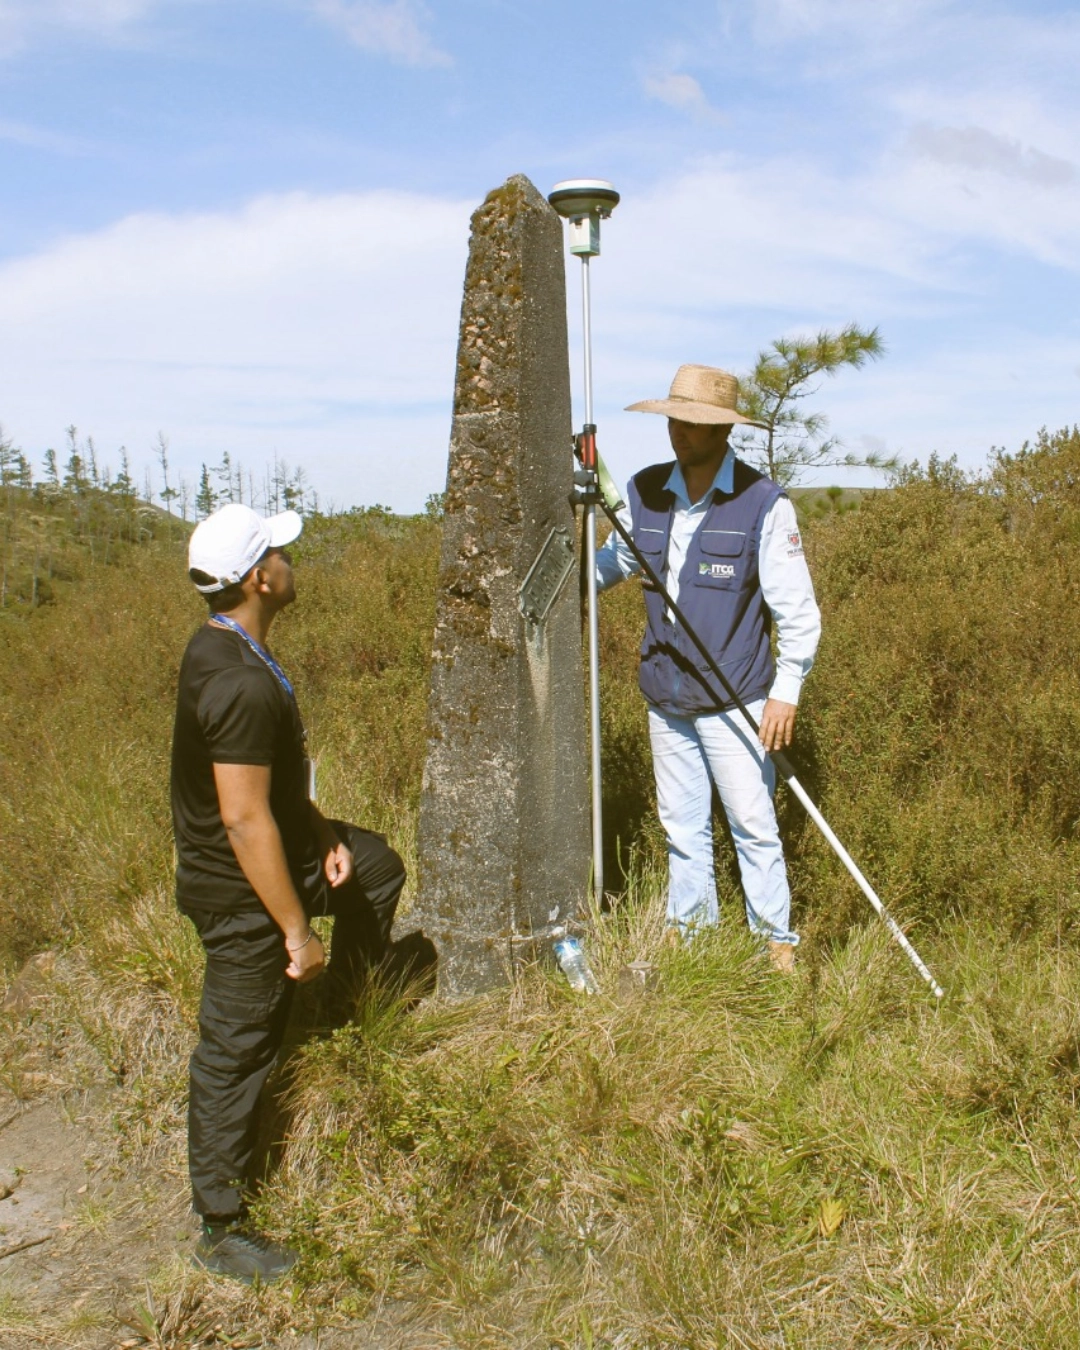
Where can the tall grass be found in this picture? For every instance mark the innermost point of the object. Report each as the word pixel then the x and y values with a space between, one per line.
pixel 731 1159
pixel 85 694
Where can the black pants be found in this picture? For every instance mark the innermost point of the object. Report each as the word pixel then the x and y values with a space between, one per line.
pixel 245 1007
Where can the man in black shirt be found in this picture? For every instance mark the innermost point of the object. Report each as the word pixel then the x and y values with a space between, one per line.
pixel 255 859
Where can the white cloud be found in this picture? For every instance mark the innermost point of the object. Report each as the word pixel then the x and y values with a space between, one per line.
pixel 1004 66
pixel 963 117
pixel 319 328
pixel 322 328
pixel 785 19
pixel 38 138
pixel 393 28
pixel 74 13
pixel 955 35
pixel 984 151
pixel 755 234
pixel 1016 203
pixel 24 20
pixel 994 388
pixel 680 91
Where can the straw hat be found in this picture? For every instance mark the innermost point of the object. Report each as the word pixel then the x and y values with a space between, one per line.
pixel 698 394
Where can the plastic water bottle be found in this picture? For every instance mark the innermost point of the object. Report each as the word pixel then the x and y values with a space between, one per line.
pixel 571 958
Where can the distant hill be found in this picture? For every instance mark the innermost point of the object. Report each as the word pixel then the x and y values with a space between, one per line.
pixel 51 533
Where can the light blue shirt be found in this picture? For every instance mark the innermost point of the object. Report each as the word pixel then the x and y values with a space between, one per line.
pixel 782 573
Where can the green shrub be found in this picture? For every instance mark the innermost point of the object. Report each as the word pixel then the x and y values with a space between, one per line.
pixel 941 725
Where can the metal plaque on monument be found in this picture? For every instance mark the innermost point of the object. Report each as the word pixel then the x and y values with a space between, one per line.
pixel 504 827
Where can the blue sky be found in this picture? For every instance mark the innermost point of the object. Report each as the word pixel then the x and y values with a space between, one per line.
pixel 243 223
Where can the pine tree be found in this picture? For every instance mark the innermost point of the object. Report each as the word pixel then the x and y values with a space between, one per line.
pixel 75 480
pixel 122 490
pixel 278 484
pixel 773 394
pixel 52 473
pixel 167 494
pixel 10 459
pixel 229 478
pixel 91 462
pixel 206 497
pixel 294 493
pixel 122 484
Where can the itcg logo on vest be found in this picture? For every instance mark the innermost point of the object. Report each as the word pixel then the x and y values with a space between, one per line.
pixel 716 569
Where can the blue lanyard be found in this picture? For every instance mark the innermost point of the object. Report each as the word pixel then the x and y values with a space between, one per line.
pixel 259 651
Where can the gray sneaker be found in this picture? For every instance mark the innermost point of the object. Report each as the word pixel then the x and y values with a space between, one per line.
pixel 242 1255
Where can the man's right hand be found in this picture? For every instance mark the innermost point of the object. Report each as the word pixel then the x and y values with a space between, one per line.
pixel 306 960
pixel 244 794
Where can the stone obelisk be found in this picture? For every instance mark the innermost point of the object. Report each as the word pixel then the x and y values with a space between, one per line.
pixel 504 815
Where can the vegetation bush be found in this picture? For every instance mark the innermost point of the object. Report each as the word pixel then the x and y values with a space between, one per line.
pixel 941 726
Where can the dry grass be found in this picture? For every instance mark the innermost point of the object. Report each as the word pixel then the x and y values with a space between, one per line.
pixel 734 1159
pixel 730 1160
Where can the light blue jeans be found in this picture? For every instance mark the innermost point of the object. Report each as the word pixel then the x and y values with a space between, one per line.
pixel 690 754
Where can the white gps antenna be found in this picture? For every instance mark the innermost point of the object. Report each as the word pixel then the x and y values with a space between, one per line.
pixel 585 202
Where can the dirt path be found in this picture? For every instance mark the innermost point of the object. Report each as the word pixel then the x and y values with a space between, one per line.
pixel 78 1238
pixel 85 1243
pixel 96 1232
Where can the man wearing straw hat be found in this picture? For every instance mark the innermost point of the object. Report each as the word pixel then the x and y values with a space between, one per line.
pixel 725 541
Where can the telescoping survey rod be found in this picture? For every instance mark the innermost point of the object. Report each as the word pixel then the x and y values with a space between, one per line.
pixel 584 202
pixel 783 764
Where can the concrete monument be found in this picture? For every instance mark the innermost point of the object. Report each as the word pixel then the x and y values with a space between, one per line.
pixel 504 816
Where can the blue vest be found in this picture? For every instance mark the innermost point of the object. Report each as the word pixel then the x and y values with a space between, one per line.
pixel 719 593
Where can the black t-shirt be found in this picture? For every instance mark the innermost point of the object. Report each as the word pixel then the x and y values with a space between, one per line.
pixel 232 709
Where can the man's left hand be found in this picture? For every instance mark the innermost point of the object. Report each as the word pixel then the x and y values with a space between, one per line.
pixel 777 725
pixel 337 860
pixel 338 865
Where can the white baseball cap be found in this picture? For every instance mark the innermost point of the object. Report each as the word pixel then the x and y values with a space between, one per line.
pixel 228 544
